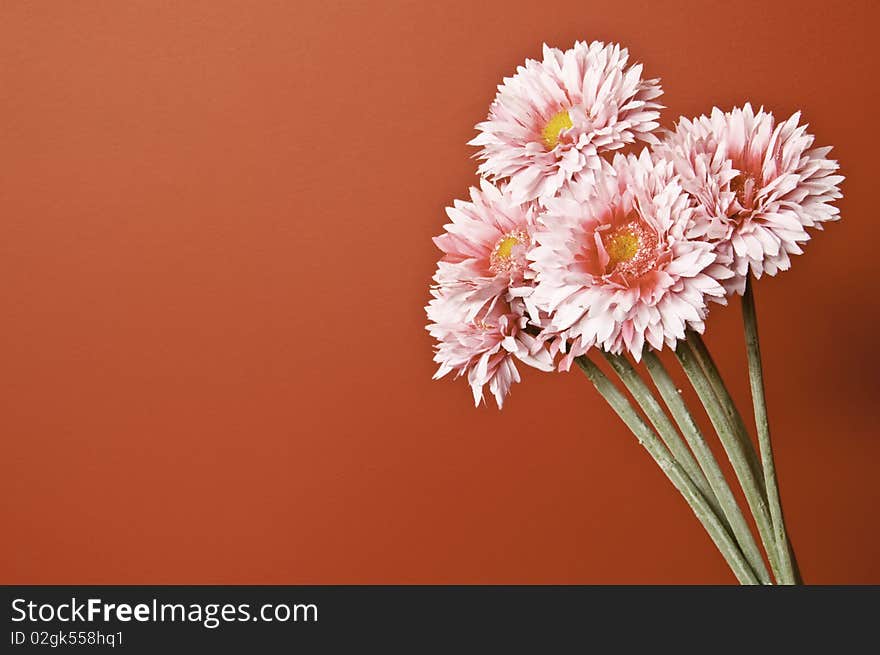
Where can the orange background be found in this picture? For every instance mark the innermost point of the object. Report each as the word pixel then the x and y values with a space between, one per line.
pixel 215 251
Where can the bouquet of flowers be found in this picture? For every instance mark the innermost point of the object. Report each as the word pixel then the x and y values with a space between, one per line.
pixel 575 244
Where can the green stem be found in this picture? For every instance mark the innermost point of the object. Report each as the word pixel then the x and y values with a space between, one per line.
pixel 664 427
pixel 733 446
pixel 756 380
pixel 734 418
pixel 708 463
pixel 646 436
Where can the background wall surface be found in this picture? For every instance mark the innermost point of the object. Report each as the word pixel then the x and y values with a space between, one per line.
pixel 215 223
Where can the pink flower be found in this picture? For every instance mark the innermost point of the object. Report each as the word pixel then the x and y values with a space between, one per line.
pixel 757 187
pixel 553 118
pixel 615 266
pixel 485 346
pixel 484 248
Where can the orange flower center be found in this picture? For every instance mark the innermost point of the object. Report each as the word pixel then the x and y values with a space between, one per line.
pixel 745 187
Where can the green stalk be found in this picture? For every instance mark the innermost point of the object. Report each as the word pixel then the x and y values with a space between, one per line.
pixel 646 436
pixel 756 380
pixel 733 446
pixel 664 427
pixel 713 375
pixel 682 415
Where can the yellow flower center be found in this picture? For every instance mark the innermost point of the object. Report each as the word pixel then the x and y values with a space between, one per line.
pixel 558 122
pixel 508 254
pixel 631 250
pixel 621 246
pixel 505 247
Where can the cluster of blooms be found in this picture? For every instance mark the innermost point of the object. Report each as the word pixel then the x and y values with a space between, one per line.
pixel 569 244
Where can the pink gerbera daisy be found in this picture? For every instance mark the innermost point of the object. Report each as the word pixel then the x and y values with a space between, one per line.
pixel 615 267
pixel 484 248
pixel 757 186
pixel 486 345
pixel 553 117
